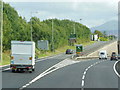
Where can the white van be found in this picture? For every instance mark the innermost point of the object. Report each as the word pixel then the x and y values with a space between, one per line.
pixel 22 56
pixel 103 54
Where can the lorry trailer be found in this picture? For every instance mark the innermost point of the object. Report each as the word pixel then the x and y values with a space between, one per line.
pixel 22 56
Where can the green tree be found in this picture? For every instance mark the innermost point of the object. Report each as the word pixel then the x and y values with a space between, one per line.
pixel 17 28
pixel 98 32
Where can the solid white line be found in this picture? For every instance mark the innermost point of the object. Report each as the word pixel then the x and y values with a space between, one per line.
pixel 6 69
pixel 35 61
pixel 4 66
pixel 35 79
pixel 48 71
pixel 41 59
pixel 115 68
pixel 44 59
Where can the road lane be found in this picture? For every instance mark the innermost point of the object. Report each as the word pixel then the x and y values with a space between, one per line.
pixel 87 49
pixel 19 79
pixel 67 77
pixel 100 75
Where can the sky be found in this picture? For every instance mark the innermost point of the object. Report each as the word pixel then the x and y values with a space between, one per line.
pixel 92 12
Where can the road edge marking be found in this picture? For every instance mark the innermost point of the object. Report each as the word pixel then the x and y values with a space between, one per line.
pixel 115 69
pixel 46 72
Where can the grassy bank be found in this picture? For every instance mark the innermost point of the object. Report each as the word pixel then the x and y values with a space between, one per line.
pixel 6 54
pixel 6 58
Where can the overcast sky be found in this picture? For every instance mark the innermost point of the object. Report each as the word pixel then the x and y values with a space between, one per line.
pixel 92 12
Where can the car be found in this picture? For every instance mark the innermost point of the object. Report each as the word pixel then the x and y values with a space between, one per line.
pixel 113 53
pixel 118 56
pixel 103 54
pixel 69 51
pixel 114 57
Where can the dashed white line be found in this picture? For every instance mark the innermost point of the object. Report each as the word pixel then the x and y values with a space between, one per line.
pixel 85 72
pixel 83 77
pixel 89 67
pixel 82 83
pixel 86 69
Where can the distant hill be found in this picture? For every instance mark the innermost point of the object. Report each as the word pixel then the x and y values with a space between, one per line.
pixel 111 27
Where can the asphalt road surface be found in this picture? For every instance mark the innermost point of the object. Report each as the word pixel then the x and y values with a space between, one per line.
pixel 85 74
pixel 100 75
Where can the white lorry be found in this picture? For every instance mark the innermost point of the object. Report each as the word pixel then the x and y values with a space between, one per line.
pixel 22 56
pixel 103 54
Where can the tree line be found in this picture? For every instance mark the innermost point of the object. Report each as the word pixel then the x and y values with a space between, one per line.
pixel 17 28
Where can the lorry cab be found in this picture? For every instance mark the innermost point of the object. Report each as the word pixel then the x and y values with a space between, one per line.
pixel 103 54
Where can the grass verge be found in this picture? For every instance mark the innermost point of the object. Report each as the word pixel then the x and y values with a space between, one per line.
pixel 6 54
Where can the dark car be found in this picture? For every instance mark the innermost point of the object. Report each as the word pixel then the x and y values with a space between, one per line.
pixel 113 53
pixel 118 56
pixel 69 51
pixel 114 57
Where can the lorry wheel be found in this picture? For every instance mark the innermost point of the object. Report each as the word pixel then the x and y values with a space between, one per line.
pixel 17 70
pixel 30 71
pixel 21 70
pixel 13 70
pixel 33 69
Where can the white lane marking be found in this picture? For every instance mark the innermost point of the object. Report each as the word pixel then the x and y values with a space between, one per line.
pixel 86 69
pixel 82 83
pixel 4 65
pixel 115 68
pixel 35 61
pixel 43 60
pixel 85 72
pixel 49 57
pixel 83 77
pixel 59 65
pixel 89 67
pixel 6 69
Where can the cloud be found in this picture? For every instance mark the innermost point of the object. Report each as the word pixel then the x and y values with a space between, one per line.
pixel 61 1
pixel 92 13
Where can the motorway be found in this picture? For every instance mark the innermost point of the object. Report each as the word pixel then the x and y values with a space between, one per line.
pixel 84 74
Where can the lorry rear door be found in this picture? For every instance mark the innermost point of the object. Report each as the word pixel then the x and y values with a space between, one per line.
pixel 22 54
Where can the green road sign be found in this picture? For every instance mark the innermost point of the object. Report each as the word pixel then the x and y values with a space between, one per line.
pixel 79 48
